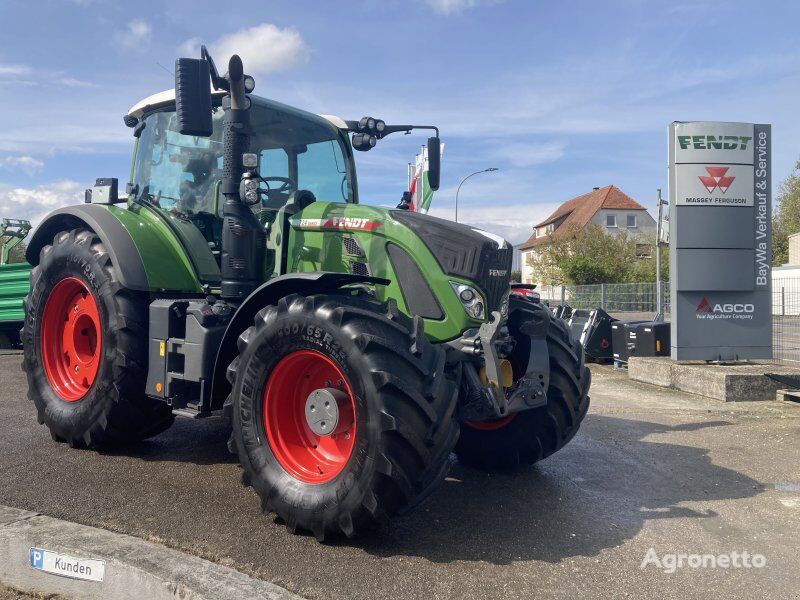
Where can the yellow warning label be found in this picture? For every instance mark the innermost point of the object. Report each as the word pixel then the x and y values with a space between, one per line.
pixel 162 347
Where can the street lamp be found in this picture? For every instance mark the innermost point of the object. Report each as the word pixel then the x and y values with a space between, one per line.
pixel 489 170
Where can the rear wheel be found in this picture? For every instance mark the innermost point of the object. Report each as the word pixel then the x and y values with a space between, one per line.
pixel 85 347
pixel 341 412
pixel 531 435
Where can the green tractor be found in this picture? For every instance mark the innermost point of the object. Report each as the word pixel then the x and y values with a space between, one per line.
pixel 352 347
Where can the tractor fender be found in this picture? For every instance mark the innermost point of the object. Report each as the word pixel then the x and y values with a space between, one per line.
pixel 118 242
pixel 266 294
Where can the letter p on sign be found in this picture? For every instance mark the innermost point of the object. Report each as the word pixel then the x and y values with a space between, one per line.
pixel 36 558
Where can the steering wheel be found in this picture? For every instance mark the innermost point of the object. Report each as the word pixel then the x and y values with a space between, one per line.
pixel 287 185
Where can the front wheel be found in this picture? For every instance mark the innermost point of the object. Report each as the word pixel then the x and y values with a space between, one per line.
pixel 531 435
pixel 341 412
pixel 85 353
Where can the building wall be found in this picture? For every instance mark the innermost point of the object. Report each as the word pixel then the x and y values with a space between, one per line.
pixel 645 224
pixel 527 271
pixel 794 249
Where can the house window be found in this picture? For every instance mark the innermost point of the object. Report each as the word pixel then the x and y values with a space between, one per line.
pixel 611 220
pixel 631 221
pixel 549 228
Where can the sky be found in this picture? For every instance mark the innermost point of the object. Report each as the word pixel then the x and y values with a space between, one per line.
pixel 559 96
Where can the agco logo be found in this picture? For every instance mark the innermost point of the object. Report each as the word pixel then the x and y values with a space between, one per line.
pixel 706 310
pixel 714 142
pixel 716 178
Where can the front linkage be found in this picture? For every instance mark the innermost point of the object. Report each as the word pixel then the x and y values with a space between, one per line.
pixel 504 388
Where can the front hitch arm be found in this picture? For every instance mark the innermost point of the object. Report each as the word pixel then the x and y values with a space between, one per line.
pixel 530 390
pixel 488 336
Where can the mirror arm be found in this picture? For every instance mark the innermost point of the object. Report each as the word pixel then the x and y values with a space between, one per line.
pixel 220 83
pixel 354 127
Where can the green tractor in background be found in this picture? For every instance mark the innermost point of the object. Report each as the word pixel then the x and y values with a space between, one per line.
pixel 350 345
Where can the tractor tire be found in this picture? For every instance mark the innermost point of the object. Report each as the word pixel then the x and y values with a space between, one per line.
pixel 529 436
pixel 85 347
pixel 395 423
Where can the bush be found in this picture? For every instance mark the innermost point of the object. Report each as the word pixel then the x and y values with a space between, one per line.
pixel 591 256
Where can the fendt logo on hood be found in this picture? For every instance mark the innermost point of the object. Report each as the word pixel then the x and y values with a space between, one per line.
pixel 716 178
pixel 706 310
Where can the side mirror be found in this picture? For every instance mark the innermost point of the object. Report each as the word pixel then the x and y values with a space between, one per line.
pixel 193 96
pixel 434 162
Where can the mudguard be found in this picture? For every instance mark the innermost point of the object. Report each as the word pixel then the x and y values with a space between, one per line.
pixel 114 236
pixel 269 293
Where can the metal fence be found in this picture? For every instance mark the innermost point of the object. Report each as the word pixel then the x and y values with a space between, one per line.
pixel 638 300
pixel 786 319
pixel 622 300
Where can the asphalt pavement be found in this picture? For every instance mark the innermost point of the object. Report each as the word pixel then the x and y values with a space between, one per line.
pixel 650 468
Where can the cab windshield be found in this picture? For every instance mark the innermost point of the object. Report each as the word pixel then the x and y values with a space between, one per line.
pixel 180 172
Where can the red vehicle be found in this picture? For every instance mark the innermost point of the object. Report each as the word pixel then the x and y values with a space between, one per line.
pixel 525 291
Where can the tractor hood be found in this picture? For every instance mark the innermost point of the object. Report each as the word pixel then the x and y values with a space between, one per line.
pixel 424 258
pixel 464 251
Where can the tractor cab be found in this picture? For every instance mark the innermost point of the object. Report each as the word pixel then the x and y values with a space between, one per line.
pixel 301 157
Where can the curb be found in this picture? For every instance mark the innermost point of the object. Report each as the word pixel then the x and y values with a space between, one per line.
pixel 134 568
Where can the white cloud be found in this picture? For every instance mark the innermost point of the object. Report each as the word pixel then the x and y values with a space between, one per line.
pixel 13 70
pixel 528 154
pixel 75 83
pixel 59 136
pixel 264 49
pixel 448 7
pixel 28 164
pixel 137 34
pixel 512 221
pixel 34 203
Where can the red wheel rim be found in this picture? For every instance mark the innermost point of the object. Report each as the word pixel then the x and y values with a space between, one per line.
pixel 306 456
pixel 491 425
pixel 71 337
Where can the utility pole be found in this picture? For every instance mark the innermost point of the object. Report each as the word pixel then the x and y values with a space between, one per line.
pixel 659 291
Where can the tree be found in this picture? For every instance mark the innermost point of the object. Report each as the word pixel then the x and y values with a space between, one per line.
pixel 17 254
pixel 786 216
pixel 591 256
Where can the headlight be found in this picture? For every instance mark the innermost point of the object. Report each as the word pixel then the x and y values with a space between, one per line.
pixel 470 299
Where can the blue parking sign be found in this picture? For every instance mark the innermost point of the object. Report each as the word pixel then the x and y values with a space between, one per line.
pixel 36 557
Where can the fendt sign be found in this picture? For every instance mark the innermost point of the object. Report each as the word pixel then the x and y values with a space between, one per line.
pixel 719 186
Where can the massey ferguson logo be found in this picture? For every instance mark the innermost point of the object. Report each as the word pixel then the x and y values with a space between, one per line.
pixel 716 178
pixel 706 310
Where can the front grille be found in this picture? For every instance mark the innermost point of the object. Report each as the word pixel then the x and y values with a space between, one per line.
pixel 237 263
pixel 494 286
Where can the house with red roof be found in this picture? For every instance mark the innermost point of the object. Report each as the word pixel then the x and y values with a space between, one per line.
pixel 608 207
